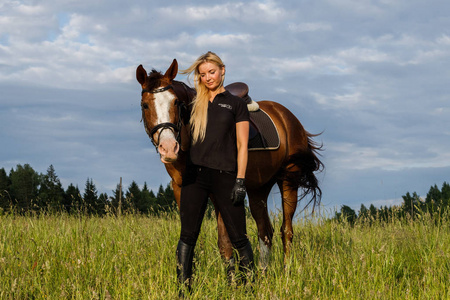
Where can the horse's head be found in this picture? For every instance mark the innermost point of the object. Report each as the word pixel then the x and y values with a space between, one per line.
pixel 162 110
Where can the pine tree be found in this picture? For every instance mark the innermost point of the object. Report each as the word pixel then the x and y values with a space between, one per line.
pixel 384 213
pixel 160 200
pixel 92 204
pixel 434 195
pixel 5 198
pixel 438 199
pixel 125 204
pixel 348 214
pixel 170 197
pixel 133 196
pixel 24 187
pixel 51 193
pixel 411 203
pixel 445 195
pixel 165 198
pixel 363 213
pixel 105 203
pixel 72 199
pixel 153 202
pixel 373 211
pixel 148 200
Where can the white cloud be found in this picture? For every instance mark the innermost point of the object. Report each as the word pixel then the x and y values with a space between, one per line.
pixel 216 12
pixel 122 75
pixel 353 101
pixel 29 10
pixel 309 27
pixel 351 156
pixel 268 11
pixel 357 54
pixel 373 74
pixel 23 22
pixel 403 50
pixel 444 39
pixel 364 7
pixel 312 65
pixel 222 40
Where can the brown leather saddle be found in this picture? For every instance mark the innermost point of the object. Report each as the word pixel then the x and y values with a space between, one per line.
pixel 263 134
pixel 239 89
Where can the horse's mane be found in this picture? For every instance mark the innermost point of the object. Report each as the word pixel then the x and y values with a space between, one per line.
pixel 184 92
pixel 153 80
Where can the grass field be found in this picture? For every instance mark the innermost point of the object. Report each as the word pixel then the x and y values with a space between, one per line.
pixel 133 257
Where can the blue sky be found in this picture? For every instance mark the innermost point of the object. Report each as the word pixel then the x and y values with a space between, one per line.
pixel 373 76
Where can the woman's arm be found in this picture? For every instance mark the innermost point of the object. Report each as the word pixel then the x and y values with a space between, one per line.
pixel 242 129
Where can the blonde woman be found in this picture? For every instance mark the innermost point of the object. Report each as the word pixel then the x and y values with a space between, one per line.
pixel 218 162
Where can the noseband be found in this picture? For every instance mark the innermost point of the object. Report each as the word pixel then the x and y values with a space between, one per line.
pixel 176 129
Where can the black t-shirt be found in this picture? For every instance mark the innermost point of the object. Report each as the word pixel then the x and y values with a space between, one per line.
pixel 219 149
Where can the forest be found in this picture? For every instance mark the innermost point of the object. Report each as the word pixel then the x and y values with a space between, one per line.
pixel 413 207
pixel 24 190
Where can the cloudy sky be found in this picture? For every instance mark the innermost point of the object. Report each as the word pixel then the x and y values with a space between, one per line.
pixel 373 76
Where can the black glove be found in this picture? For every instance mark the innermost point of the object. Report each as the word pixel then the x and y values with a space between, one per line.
pixel 238 192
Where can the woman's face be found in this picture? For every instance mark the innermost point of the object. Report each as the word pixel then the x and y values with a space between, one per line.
pixel 211 75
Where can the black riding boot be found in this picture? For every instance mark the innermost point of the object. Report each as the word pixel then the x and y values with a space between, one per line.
pixel 246 263
pixel 185 255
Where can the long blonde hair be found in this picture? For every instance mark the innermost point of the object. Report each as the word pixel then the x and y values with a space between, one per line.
pixel 199 114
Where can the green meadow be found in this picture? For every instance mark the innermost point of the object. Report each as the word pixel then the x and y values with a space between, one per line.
pixel 133 257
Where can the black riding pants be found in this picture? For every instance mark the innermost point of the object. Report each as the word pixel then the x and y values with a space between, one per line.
pixel 198 184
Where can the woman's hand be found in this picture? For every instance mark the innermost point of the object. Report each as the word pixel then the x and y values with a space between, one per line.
pixel 238 192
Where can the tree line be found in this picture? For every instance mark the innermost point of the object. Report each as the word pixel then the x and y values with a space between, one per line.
pixel 24 190
pixel 436 202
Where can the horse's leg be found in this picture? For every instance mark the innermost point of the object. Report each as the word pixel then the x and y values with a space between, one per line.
pixel 176 192
pixel 258 208
pixel 289 204
pixel 223 240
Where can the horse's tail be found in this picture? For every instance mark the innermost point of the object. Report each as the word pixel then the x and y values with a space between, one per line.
pixel 299 170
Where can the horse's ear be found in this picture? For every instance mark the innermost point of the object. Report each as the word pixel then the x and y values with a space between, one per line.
pixel 141 74
pixel 172 71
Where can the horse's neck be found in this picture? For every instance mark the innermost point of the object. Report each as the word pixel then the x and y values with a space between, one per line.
pixel 176 169
pixel 183 91
pixel 185 143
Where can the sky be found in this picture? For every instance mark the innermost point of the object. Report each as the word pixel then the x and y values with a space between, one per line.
pixel 371 76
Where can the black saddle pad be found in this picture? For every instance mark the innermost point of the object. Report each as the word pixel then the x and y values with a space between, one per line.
pixel 263 133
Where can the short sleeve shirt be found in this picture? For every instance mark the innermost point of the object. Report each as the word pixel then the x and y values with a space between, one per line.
pixel 219 148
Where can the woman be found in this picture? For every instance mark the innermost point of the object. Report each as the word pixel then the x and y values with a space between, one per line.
pixel 218 162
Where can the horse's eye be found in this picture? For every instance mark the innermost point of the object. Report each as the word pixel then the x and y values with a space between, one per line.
pixel 144 105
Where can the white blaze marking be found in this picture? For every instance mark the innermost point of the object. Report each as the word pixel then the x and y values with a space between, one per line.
pixel 163 102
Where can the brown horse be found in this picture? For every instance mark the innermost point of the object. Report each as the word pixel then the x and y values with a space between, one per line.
pixel 291 166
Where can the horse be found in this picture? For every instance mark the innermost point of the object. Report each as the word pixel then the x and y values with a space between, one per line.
pixel 291 166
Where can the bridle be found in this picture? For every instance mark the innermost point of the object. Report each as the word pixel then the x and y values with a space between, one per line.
pixel 175 128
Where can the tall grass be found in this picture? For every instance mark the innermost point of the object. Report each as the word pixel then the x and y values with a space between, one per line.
pixel 133 257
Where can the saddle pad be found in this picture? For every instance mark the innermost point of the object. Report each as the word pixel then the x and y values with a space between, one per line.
pixel 267 137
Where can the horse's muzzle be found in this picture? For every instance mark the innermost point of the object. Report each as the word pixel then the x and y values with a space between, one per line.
pixel 168 150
